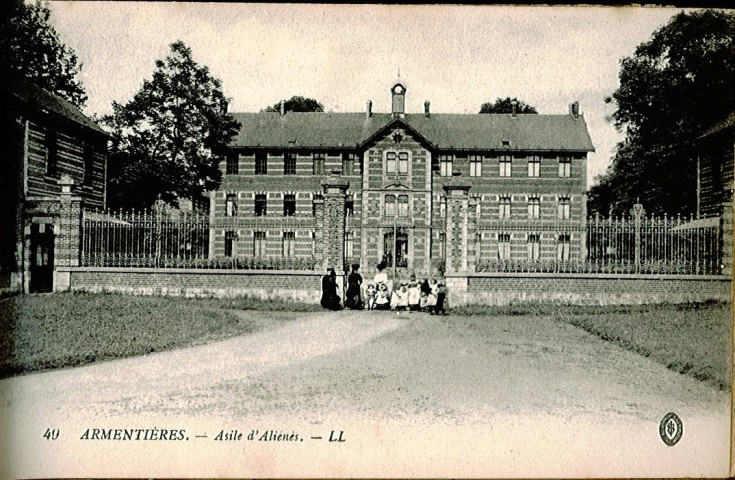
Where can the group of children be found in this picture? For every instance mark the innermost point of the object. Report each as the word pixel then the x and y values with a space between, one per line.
pixel 408 296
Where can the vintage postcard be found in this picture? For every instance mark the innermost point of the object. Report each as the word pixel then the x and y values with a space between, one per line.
pixel 281 240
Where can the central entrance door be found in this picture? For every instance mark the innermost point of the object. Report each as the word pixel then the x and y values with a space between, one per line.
pixel 395 246
pixel 42 257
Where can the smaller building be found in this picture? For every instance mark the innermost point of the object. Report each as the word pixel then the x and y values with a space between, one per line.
pixel 53 152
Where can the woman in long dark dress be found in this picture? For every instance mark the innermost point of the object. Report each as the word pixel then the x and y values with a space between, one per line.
pixel 330 299
pixel 352 297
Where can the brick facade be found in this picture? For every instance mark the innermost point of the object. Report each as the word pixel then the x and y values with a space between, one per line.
pixel 524 181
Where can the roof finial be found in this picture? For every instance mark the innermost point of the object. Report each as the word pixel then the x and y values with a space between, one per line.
pixel 399 72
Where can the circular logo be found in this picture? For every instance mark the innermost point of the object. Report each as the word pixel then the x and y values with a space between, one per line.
pixel 671 429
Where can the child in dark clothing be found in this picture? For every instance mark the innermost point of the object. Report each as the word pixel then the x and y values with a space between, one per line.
pixel 441 296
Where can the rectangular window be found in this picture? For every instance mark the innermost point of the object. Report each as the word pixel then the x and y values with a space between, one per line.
pixel 504 246
pixel 534 165
pixel 232 163
pixel 289 205
pixel 52 153
pixel 504 210
pixel 261 163
pixel 505 162
pixel 348 164
pixel 443 207
pixel 475 165
pixel 289 242
pixel 403 205
pixel 445 165
pixel 229 243
pixel 390 205
pixel 562 248
pixel 259 244
pixel 261 202
pixel 88 162
pixel 534 244
pixel 390 162
pixel 289 163
pixel 349 244
pixel 403 163
pixel 564 208
pixel 231 205
pixel 318 168
pixel 565 167
pixel 534 207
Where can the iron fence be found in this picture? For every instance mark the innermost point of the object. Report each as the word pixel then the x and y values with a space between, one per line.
pixel 626 245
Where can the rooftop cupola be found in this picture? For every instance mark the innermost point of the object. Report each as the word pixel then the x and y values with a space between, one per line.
pixel 398 93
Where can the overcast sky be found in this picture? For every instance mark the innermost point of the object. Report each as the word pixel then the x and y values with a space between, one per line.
pixel 457 57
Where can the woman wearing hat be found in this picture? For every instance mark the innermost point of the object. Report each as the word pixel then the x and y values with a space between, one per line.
pixel 352 297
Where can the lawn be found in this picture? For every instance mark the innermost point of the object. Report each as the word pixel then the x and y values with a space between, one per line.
pixel 47 331
pixel 39 332
pixel 692 339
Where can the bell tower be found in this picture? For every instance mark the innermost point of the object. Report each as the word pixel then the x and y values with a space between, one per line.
pixel 398 93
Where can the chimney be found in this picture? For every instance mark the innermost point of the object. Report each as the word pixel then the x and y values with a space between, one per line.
pixel 574 109
pixel 427 104
pixel 514 107
pixel 283 107
pixel 369 109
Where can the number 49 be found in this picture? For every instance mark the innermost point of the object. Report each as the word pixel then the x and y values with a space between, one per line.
pixel 51 434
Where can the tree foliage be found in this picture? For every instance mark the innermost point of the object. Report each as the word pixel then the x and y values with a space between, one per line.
pixel 30 47
pixel 166 140
pixel 297 104
pixel 675 86
pixel 505 105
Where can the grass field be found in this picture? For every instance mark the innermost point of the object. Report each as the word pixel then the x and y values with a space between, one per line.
pixel 39 332
pixel 61 330
pixel 692 339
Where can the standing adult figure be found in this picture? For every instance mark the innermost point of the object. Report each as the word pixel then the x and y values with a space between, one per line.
pixel 330 299
pixel 381 276
pixel 353 300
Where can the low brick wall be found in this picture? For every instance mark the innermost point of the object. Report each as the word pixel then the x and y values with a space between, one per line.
pixel 478 289
pixel 304 286
pixel 586 289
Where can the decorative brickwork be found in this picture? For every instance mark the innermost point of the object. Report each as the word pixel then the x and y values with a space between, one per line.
pixel 333 216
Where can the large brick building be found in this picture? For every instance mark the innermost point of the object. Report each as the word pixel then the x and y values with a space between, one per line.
pixel 524 177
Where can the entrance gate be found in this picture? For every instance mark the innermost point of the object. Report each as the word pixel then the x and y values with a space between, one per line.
pixel 42 257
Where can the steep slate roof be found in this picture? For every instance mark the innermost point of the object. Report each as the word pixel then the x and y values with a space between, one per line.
pixel 42 99
pixel 443 131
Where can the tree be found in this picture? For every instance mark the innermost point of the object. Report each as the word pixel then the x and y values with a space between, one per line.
pixel 31 48
pixel 166 141
pixel 297 104
pixel 675 86
pixel 505 105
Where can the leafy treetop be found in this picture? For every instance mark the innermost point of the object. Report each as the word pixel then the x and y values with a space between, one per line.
pixel 505 105
pixel 30 47
pixel 167 141
pixel 297 104
pixel 675 86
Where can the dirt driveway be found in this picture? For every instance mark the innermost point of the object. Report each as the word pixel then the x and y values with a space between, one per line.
pixel 533 388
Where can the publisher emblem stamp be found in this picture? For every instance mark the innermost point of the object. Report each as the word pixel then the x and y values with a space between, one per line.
pixel 671 429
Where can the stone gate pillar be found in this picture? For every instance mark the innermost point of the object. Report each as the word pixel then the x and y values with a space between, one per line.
pixel 333 222
pixel 68 235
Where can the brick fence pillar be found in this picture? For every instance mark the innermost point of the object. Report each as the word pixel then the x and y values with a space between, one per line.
pixel 460 228
pixel 333 227
pixel 68 236
pixel 726 231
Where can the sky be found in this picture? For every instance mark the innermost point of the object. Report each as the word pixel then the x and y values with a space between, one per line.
pixel 457 57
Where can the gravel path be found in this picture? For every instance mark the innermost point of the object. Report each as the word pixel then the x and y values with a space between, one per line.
pixel 532 389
